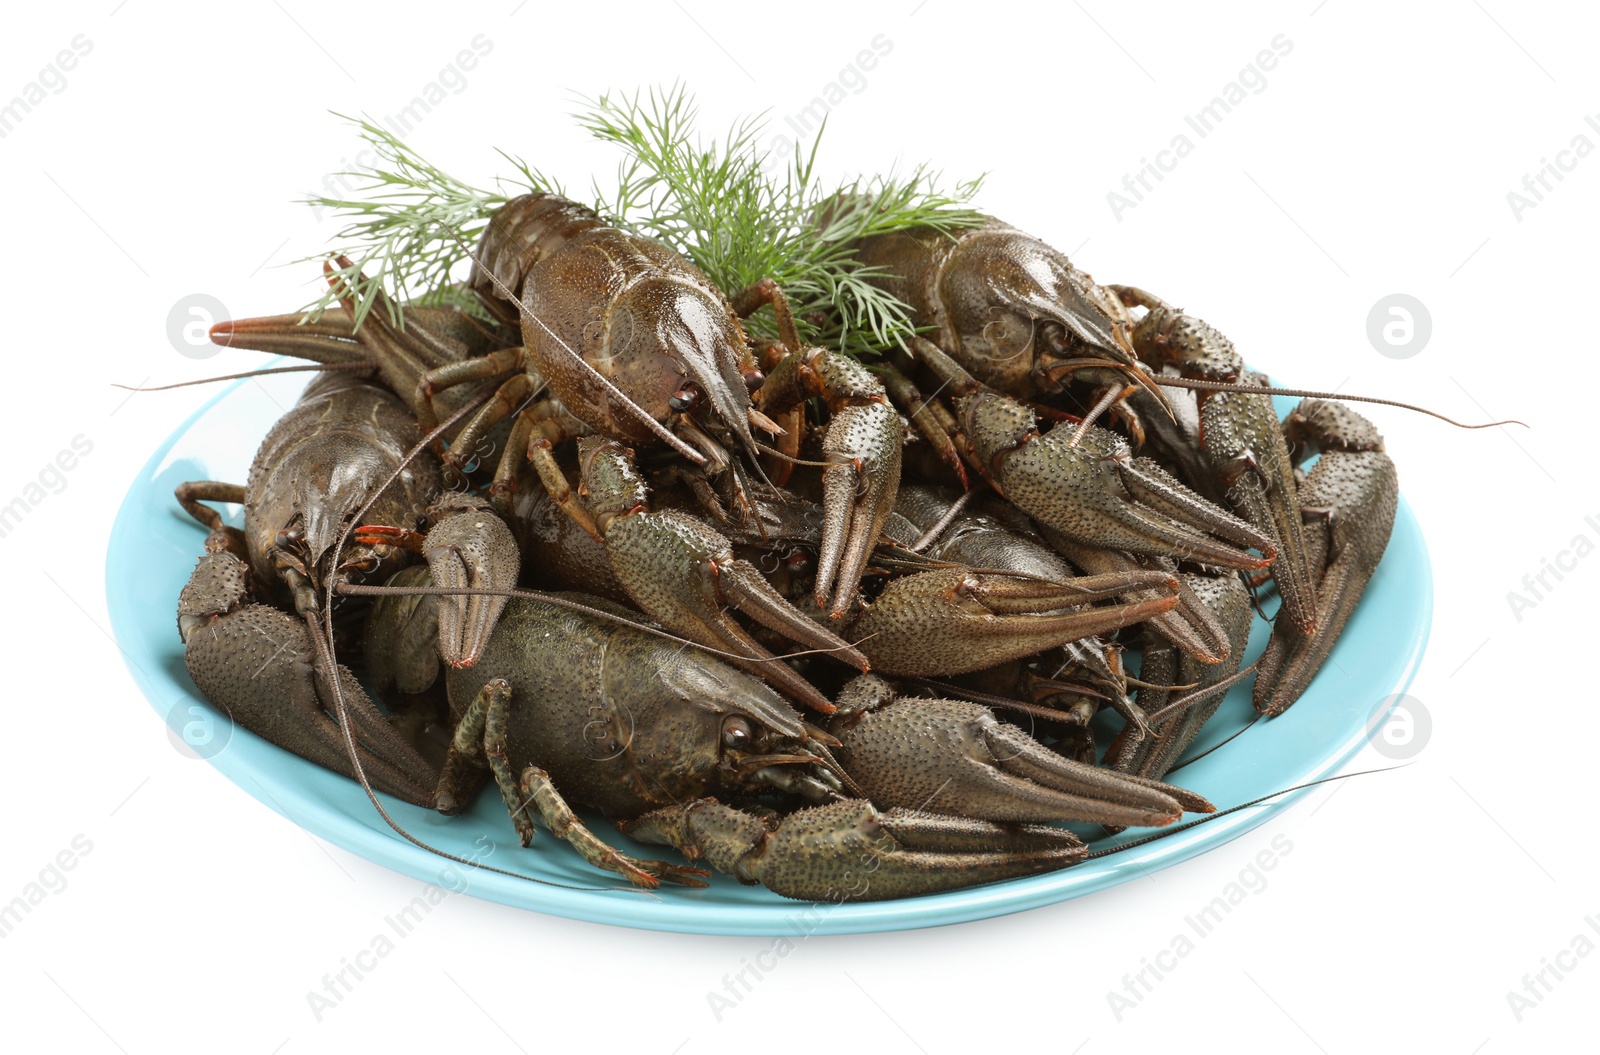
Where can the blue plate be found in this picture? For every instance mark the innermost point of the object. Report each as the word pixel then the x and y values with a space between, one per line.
pixel 153 548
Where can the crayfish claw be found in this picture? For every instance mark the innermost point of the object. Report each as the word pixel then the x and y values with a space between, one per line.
pixel 469 547
pixel 258 664
pixel 1354 490
pixel 682 572
pixel 952 756
pixel 1190 625
pixel 853 851
pixel 330 339
pixel 1244 441
pixel 953 620
pixel 1094 492
pixel 1153 486
pixel 862 449
pixel 1177 714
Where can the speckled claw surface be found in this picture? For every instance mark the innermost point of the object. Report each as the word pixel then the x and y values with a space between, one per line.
pixel 1242 453
pixel 468 548
pixel 1244 442
pixel 1094 491
pixel 1163 664
pixel 861 447
pixel 854 851
pixel 257 663
pixel 952 756
pixel 430 338
pixel 954 620
pixel 683 573
pixel 1348 500
pixel 1190 625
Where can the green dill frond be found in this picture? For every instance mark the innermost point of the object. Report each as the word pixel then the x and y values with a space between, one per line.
pixel 409 221
pixel 740 216
pixel 729 206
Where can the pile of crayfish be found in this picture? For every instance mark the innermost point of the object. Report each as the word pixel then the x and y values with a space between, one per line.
pixel 840 629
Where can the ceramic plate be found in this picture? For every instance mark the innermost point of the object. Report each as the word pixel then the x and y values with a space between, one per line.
pixel 153 548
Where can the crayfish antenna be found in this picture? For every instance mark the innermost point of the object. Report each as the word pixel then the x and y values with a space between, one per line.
pixel 1201 385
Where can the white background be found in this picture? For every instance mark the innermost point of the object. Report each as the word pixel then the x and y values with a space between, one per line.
pixel 1377 159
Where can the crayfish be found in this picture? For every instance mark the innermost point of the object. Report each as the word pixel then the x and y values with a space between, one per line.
pixel 1139 493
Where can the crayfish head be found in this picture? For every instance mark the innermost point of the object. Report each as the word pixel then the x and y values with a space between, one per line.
pixel 676 348
pixel 1013 303
pixel 312 545
pixel 715 729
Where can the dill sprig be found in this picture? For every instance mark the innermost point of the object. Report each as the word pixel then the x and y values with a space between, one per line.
pixel 409 222
pixel 727 206
pixel 741 217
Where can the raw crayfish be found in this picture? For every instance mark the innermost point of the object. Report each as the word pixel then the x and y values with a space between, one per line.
pixel 1088 543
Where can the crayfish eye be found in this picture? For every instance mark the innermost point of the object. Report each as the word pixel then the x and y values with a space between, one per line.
pixel 736 731
pixel 685 399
